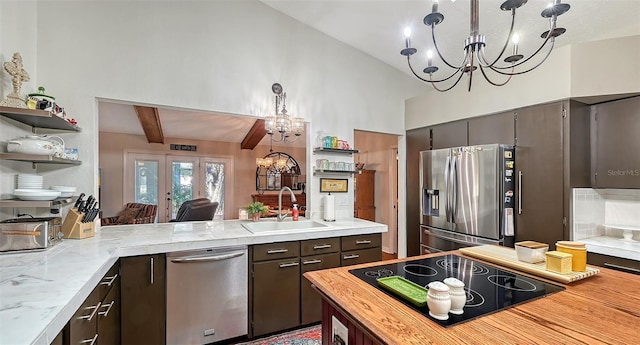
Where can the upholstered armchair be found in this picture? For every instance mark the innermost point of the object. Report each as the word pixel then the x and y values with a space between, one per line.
pixel 133 213
pixel 195 210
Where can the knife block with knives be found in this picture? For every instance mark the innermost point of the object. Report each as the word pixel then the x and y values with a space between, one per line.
pixel 79 222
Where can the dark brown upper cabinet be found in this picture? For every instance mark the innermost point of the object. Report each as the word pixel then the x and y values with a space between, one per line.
pixel 616 144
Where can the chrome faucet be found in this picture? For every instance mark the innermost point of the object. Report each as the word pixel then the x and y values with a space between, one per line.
pixel 281 216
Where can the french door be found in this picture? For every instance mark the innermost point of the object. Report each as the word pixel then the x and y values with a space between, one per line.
pixel 170 180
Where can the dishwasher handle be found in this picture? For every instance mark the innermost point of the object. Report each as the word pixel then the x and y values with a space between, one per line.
pixel 191 259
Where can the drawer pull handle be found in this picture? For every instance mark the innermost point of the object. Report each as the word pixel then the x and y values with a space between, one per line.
pixel 290 264
pixel 110 280
pixel 363 242
pixel 93 313
pixel 90 341
pixel 622 268
pixel 315 261
pixel 322 246
pixel 352 256
pixel 108 306
pixel 151 267
pixel 277 251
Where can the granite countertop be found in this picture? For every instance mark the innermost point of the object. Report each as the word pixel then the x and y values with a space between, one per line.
pixel 40 291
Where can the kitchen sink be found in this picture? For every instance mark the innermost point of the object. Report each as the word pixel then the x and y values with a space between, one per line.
pixel 263 226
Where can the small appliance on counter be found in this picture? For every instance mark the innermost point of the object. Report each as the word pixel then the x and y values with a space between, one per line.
pixel 29 234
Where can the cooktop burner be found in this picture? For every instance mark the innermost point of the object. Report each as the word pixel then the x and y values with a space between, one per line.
pixel 489 288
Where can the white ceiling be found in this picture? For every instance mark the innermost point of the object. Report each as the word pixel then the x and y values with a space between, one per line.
pixel 376 28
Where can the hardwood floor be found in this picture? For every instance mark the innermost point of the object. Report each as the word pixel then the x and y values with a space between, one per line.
pixel 387 256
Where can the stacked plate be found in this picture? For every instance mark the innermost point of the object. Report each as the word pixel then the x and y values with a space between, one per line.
pixel 65 191
pixel 30 181
pixel 30 188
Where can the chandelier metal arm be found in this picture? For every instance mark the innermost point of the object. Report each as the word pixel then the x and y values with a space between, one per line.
pixel 549 37
pixel 486 77
pixel 450 87
pixel 498 70
pixel 506 43
pixel 435 45
pixel 430 80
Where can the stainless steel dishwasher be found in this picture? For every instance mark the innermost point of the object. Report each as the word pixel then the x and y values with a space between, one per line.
pixel 207 297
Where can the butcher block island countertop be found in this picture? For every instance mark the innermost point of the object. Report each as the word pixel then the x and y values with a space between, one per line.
pixel 602 309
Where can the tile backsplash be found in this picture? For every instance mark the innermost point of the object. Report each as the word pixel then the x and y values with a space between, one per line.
pixel 592 208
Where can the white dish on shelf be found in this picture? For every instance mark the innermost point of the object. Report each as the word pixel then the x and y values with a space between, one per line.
pixel 65 191
pixel 36 194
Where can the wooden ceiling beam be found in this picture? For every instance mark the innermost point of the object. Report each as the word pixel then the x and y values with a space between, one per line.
pixel 150 121
pixel 254 136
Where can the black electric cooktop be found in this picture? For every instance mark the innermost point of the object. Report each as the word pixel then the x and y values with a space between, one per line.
pixel 489 288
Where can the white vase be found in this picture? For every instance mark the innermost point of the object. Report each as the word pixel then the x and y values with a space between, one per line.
pixel 457 294
pixel 438 300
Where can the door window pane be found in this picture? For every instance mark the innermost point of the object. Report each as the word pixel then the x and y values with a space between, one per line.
pixel 146 182
pixel 214 186
pixel 181 184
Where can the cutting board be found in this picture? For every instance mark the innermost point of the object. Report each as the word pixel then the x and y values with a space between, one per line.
pixel 505 256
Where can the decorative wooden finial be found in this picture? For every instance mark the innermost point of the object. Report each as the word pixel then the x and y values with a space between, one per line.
pixel 18 75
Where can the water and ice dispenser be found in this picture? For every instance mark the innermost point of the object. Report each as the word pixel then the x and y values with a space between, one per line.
pixel 431 202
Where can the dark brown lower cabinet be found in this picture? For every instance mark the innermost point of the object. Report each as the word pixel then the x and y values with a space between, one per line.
pixel 279 297
pixel 276 295
pixel 143 300
pixel 359 249
pixel 613 262
pixel 97 321
pixel 109 317
pixel 311 305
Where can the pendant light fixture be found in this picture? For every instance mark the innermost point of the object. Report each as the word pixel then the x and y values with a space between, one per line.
pixel 474 48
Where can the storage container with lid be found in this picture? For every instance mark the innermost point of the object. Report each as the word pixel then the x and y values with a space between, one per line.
pixel 579 252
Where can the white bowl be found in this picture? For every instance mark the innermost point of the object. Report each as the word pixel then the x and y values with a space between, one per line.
pixel 531 251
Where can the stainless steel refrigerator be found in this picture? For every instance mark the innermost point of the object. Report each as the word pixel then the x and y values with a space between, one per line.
pixel 467 197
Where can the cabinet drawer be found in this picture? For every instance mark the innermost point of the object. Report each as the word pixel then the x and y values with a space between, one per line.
pixel 613 262
pixel 110 279
pixel 280 250
pixel 362 256
pixel 109 317
pixel 83 324
pixel 361 242
pixel 320 246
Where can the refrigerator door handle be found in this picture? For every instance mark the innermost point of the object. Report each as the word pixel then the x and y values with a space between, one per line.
pixel 519 192
pixel 454 190
pixel 447 197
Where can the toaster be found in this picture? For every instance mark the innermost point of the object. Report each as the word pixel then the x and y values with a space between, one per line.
pixel 27 234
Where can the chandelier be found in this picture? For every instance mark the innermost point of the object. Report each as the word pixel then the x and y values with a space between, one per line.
pixel 474 47
pixel 281 122
pixel 269 163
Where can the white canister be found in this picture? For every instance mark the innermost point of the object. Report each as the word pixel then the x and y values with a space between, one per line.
pixel 438 300
pixel 457 294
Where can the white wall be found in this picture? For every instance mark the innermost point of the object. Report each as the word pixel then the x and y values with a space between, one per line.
pixel 218 55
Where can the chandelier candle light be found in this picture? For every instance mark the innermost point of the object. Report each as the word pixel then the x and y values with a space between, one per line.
pixel 281 122
pixel 474 46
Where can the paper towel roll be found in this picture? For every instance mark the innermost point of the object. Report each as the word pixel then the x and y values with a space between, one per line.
pixel 329 208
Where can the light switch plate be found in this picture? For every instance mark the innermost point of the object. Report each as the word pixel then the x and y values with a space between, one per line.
pixel 344 201
pixel 340 330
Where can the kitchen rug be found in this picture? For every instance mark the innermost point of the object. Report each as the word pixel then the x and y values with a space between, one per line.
pixel 304 336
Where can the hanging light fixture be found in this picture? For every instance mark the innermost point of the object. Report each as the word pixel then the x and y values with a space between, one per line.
pixel 474 47
pixel 281 122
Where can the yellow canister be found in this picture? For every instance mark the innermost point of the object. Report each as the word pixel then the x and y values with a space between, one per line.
pixel 579 252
